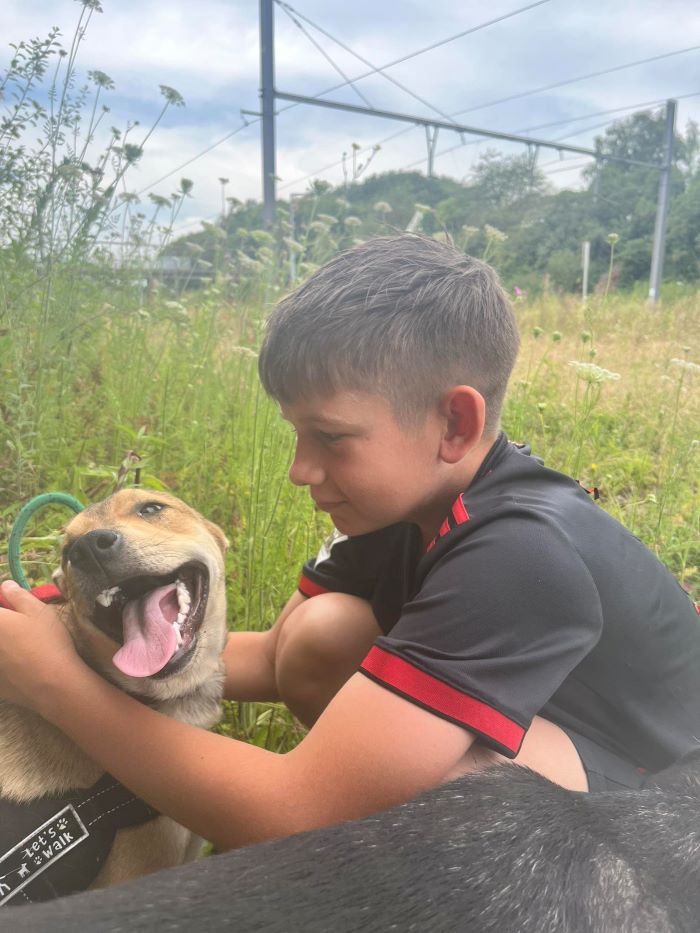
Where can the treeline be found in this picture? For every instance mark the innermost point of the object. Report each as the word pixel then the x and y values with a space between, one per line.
pixel 508 212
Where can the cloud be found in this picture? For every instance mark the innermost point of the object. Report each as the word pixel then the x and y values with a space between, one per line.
pixel 209 52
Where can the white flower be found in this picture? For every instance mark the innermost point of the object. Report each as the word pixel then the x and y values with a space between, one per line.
pixel 292 245
pixel 245 351
pixel 590 372
pixel 687 364
pixel 493 233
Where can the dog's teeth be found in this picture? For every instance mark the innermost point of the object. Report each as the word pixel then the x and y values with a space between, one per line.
pixel 106 596
pixel 183 597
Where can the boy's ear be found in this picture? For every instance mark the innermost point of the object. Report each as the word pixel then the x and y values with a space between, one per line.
pixel 464 413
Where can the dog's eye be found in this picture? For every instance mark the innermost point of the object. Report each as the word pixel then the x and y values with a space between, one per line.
pixel 150 508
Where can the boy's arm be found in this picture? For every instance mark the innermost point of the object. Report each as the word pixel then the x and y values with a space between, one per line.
pixel 369 750
pixel 249 659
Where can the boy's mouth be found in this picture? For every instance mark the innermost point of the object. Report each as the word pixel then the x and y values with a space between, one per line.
pixel 328 506
pixel 155 619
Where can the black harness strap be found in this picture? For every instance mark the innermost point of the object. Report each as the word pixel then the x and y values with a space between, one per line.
pixel 56 845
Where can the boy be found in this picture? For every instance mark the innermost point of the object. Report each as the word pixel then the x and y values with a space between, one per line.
pixel 495 612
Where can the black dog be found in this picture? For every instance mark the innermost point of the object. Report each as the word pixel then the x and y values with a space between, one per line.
pixel 502 850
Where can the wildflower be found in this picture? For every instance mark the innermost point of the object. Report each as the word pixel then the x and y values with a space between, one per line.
pixel 517 291
pixel 352 221
pixel 328 218
pixel 383 207
pixel 537 332
pixel 687 364
pixel 541 406
pixel 172 96
pixel 101 79
pixel 556 336
pixel 585 336
pixel 613 238
pixel 158 200
pixel 592 373
pixel 131 153
pixel 493 233
pixel 293 245
pixel 245 351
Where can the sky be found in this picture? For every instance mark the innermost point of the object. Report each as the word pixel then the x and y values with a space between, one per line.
pixel 209 52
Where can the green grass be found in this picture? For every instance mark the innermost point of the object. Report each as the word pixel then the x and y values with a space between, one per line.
pixel 124 374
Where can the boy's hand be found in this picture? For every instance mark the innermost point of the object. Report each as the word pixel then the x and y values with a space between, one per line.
pixel 35 648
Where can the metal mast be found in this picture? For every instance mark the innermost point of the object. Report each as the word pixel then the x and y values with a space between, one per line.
pixel 267 98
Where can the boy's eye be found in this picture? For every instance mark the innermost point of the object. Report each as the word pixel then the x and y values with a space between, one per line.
pixel 326 437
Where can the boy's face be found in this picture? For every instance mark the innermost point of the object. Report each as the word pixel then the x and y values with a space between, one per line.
pixel 362 467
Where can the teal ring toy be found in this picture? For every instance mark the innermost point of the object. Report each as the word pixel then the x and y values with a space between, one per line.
pixel 26 512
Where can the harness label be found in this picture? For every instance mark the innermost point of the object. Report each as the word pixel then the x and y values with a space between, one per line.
pixel 39 850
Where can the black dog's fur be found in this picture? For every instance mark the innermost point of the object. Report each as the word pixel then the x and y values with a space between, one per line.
pixel 497 852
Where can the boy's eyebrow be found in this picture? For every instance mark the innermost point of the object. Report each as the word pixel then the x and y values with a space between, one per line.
pixel 327 422
pixel 330 422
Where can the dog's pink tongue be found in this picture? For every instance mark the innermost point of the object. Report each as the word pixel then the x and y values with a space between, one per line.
pixel 149 636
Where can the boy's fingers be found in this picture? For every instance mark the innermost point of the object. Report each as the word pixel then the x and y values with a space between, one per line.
pixel 19 599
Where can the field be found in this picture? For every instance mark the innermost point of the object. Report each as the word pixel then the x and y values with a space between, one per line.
pixel 103 375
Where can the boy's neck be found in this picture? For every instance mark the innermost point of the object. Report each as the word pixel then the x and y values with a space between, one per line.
pixel 461 476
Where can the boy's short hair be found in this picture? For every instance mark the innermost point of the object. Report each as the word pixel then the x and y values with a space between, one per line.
pixel 402 316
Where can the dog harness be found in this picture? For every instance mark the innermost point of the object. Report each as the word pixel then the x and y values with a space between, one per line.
pixel 56 845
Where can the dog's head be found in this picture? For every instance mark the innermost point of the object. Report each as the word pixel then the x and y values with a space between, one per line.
pixel 143 575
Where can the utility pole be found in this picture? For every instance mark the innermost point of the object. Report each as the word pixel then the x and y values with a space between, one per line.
pixel 657 256
pixel 270 95
pixel 267 98
pixel 431 135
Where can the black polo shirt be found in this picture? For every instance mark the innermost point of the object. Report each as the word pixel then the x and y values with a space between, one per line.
pixel 531 600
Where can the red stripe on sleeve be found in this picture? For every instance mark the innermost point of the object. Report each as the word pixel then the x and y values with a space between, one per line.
pixel 460 512
pixel 309 588
pixel 438 696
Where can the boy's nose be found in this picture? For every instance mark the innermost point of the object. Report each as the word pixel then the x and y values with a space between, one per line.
pixel 304 471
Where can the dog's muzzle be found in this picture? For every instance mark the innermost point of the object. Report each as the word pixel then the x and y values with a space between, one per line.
pixel 156 618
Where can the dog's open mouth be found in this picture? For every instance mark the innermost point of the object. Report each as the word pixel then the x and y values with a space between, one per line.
pixel 155 618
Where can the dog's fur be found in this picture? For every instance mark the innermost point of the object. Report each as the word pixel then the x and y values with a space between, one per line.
pixel 35 758
pixel 493 852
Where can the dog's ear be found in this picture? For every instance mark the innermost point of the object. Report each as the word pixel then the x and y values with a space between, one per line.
pixel 59 579
pixel 218 535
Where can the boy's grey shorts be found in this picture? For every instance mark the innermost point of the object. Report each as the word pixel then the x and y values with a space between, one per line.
pixel 604 769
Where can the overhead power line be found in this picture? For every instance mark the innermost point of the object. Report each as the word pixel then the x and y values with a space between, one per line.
pixel 198 156
pixel 374 68
pixel 348 81
pixel 592 74
pixel 529 93
pixel 428 48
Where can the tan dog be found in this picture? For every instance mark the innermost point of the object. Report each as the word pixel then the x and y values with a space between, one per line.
pixel 143 578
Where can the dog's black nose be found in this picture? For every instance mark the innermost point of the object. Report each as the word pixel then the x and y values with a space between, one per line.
pixel 95 547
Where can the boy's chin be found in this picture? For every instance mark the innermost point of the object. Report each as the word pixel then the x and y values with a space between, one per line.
pixel 355 525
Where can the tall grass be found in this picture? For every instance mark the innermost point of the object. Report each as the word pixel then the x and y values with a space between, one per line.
pixel 103 373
